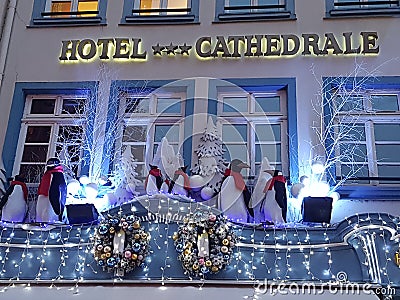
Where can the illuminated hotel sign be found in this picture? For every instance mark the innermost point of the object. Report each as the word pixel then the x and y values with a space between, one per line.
pixel 235 46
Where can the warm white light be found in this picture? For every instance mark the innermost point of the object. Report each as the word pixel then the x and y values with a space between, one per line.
pixel 73 187
pixel 317 167
pixel 84 180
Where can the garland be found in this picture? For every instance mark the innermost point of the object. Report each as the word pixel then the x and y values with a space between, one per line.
pixel 205 244
pixel 120 244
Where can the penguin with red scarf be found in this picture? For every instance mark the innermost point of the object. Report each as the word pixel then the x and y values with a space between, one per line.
pixel 179 184
pixel 154 181
pixel 13 204
pixel 274 204
pixel 52 193
pixel 234 198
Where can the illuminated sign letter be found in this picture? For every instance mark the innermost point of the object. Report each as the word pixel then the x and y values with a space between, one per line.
pixel 121 45
pixel 221 46
pixel 331 43
pixel 348 46
pixel 69 47
pixel 273 45
pixel 250 45
pixel 236 40
pixel 88 46
pixel 369 42
pixel 310 40
pixel 294 40
pixel 135 49
pixel 199 46
pixel 104 43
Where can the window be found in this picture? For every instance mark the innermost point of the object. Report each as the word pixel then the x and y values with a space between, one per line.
pixel 51 126
pixel 373 137
pixel 68 12
pixel 160 11
pixel 254 126
pixel 147 119
pixel 251 10
pixel 343 8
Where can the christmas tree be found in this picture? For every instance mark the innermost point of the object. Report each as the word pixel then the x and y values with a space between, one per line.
pixel 211 165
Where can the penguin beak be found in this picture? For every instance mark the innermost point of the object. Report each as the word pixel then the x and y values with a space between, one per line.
pixel 243 165
pixel 271 172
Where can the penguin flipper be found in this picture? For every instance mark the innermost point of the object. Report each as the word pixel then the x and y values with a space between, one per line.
pixel 4 199
pixel 58 193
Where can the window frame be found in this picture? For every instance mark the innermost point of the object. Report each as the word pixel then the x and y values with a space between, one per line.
pixel 55 121
pixel 130 9
pixel 150 120
pixel 222 13
pixel 368 118
pixel 340 11
pixel 251 118
pixel 41 17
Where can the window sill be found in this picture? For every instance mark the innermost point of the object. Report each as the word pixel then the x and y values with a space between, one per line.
pixel 155 20
pixel 343 13
pixel 368 192
pixel 50 22
pixel 253 17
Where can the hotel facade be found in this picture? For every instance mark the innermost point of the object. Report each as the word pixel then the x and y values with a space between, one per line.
pixel 83 80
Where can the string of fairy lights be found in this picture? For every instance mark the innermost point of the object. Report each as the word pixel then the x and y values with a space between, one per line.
pixel 64 253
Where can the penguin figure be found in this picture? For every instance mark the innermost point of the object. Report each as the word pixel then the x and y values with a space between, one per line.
pixel 14 202
pixel 258 193
pixel 234 197
pixel 179 184
pixel 275 201
pixel 154 181
pixel 52 193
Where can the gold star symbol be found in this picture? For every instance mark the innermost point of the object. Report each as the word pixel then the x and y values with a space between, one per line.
pixel 185 49
pixel 157 49
pixel 171 49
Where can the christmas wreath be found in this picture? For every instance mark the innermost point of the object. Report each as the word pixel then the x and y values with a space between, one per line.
pixel 120 244
pixel 205 244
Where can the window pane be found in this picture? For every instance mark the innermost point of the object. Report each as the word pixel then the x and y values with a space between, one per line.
pixel 169 105
pixel 87 5
pixel 38 134
pixel 351 132
pixel 349 102
pixel 352 171
pixel 171 132
pixel 235 151
pixel 267 104
pixel 234 133
pixel 235 104
pixel 137 105
pixel 388 171
pixel 388 153
pixel 384 103
pixel 138 152
pixel 350 152
pixel 135 134
pixel 176 4
pixel 60 6
pixel 273 152
pixel 387 132
pixel 266 133
pixel 35 153
pixel 43 106
pixel 73 106
pixel 32 173
pixel 149 4
pixel 72 155
pixel 70 134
